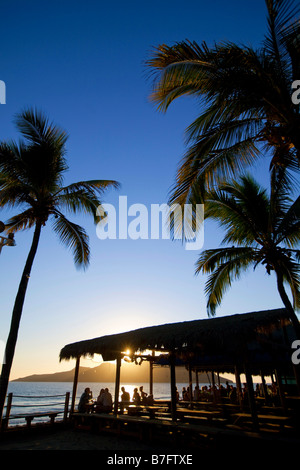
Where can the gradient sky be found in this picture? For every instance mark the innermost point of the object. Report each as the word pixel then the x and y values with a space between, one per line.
pixel 82 63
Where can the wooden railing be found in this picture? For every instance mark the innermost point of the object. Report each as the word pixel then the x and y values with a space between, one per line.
pixel 42 409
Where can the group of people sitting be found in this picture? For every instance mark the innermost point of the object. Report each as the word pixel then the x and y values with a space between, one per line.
pixel 137 398
pixel 206 393
pixel 104 402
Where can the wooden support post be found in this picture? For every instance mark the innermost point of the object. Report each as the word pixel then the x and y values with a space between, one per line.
pixel 251 399
pixel 197 378
pixel 117 384
pixel 173 388
pixel 75 382
pixel 238 386
pixel 190 386
pixel 297 376
pixel 151 375
pixel 213 386
pixel 280 390
pixel 66 406
pixel 264 387
pixel 5 420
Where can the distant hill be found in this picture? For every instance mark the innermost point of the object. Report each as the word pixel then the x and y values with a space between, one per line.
pixel 130 373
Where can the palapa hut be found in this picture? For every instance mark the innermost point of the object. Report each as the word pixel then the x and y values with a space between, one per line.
pixel 251 343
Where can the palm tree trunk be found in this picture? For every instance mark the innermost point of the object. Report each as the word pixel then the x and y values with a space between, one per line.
pixel 287 303
pixel 15 320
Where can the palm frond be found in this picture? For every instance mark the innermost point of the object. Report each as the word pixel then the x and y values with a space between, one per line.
pixel 245 218
pixel 44 159
pixel 83 196
pixel 80 201
pixel 13 193
pixel 37 129
pixel 11 165
pixel 288 228
pixel 283 16
pixel 225 266
pixel 180 70
pixel 208 167
pixel 74 237
pixel 96 185
pixel 22 221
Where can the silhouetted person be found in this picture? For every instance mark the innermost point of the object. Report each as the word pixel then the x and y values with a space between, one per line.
pixel 104 402
pixel 84 400
pixel 125 395
pixel 136 397
pixel 143 395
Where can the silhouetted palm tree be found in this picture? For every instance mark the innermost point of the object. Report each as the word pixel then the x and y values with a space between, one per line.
pixel 31 177
pixel 246 98
pixel 259 229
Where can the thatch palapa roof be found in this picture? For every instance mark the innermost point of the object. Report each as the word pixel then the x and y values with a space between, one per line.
pixel 232 335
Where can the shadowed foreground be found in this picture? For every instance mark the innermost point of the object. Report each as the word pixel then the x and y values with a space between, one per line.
pixel 65 438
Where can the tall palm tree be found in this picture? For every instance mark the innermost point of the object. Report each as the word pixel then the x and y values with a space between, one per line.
pixel 260 229
pixel 245 97
pixel 31 177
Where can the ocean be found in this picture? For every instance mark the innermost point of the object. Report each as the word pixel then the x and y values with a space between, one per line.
pixel 30 397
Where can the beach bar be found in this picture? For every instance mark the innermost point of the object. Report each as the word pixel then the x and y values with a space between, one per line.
pixel 256 343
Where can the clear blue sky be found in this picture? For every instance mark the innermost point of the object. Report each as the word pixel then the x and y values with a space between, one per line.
pixel 82 63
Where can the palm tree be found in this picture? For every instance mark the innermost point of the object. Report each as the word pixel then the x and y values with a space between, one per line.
pixel 31 176
pixel 260 229
pixel 246 99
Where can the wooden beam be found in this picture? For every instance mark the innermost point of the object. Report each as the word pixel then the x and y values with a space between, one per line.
pixel 264 387
pixel 251 399
pixel 75 382
pixel 297 376
pixel 197 378
pixel 190 385
pixel 117 384
pixel 280 389
pixel 66 406
pixel 151 374
pixel 173 388
pixel 238 386
pixel 213 384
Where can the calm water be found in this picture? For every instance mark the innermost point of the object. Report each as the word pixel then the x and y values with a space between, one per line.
pixel 29 397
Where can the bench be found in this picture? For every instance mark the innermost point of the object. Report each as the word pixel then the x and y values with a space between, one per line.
pixel 267 418
pixel 134 409
pixel 120 424
pixel 29 417
pixel 203 413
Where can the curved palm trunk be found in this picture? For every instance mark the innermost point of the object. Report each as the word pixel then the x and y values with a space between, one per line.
pixel 287 303
pixel 15 321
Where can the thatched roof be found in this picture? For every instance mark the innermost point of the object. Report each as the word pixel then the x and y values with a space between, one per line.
pixel 228 335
